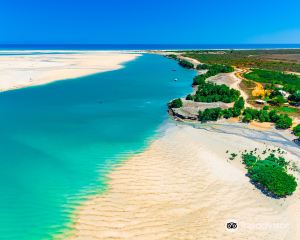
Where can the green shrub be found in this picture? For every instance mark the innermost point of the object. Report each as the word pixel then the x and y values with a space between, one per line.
pixel 189 97
pixel 274 117
pixel 247 118
pixel 199 80
pixel 176 103
pixel 173 56
pixel 227 113
pixel 240 103
pixel 210 92
pixel 270 173
pixel 290 81
pixel 294 97
pixel 278 160
pixel 249 160
pixel 278 100
pixel 186 64
pixel 266 108
pixel 296 130
pixel 273 177
pixel 210 114
pixel 264 116
pixel 284 122
pixel 202 66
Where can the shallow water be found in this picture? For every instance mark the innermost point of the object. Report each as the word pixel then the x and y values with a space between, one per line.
pixel 58 141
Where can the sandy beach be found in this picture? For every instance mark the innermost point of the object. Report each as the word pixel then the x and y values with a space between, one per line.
pixel 27 69
pixel 184 187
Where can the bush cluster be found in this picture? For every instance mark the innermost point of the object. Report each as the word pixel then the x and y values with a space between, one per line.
pixel 185 64
pixel 216 68
pixel 210 114
pixel 270 173
pixel 213 114
pixel 295 97
pixel 213 70
pixel 210 92
pixel 282 121
pixel 176 103
pixel 289 81
pixel 296 130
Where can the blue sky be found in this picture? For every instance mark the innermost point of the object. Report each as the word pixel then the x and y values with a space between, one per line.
pixel 149 21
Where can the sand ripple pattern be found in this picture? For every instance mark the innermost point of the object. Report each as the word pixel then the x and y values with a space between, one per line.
pixel 182 187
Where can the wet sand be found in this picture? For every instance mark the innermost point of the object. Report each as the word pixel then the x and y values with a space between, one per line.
pixel 184 187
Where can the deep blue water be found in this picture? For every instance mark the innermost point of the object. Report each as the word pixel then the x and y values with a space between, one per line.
pixel 141 46
pixel 58 141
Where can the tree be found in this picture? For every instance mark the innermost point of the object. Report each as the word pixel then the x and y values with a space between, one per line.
pixel 240 103
pixel 185 64
pixel 210 114
pixel 274 117
pixel 189 97
pixel 296 130
pixel 227 113
pixel 247 118
pixel 294 97
pixel 284 122
pixel 278 100
pixel 176 103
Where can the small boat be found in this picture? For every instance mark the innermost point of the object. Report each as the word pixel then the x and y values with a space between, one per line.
pixel 175 79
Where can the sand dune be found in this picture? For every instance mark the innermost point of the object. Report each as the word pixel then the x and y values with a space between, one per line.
pixel 17 71
pixel 183 187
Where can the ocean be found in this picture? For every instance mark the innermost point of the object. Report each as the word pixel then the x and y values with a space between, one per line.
pixel 58 141
pixel 142 46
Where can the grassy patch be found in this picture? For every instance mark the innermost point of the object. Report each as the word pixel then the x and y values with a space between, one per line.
pixel 273 77
pixel 286 109
pixel 247 58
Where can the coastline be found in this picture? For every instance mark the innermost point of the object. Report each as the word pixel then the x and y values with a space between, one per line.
pixel 42 67
pixel 183 187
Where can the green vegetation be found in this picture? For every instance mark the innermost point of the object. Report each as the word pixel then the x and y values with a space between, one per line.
pixel 290 82
pixel 173 56
pixel 296 130
pixel 210 114
pixel 269 174
pixel 213 70
pixel 282 121
pixel 210 92
pixel 286 109
pixel 213 114
pixel 176 103
pixel 186 64
pixel 248 58
pixel 273 177
pixel 295 97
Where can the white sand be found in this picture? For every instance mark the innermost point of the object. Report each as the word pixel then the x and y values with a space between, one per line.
pixel 17 71
pixel 183 187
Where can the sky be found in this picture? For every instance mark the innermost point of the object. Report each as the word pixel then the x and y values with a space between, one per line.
pixel 149 21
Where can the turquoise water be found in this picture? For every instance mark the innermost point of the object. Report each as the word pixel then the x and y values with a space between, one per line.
pixel 58 141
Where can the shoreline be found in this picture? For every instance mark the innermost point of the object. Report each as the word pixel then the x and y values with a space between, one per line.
pixel 43 67
pixel 183 186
